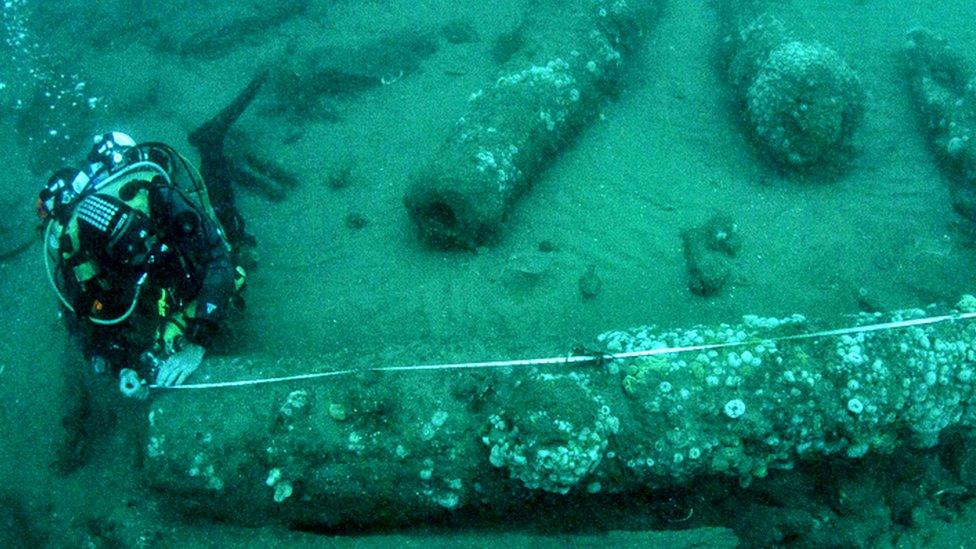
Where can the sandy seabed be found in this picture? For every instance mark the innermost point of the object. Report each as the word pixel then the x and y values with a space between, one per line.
pixel 665 156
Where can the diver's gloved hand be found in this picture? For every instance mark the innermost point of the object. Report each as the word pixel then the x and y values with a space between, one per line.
pixel 131 385
pixel 177 367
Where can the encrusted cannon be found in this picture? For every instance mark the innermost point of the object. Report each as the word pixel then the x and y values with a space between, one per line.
pixel 800 100
pixel 519 123
pixel 942 83
pixel 390 447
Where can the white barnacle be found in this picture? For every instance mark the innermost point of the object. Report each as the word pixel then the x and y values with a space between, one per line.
pixel 283 491
pixel 735 408
pixel 955 146
pixel 274 476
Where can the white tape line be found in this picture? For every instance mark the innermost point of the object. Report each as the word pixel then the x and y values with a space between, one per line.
pixel 574 359
pixel 263 381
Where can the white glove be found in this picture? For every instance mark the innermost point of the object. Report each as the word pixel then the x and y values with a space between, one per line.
pixel 131 385
pixel 174 369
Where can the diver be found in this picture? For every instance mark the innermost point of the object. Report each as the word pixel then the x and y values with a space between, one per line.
pixel 144 253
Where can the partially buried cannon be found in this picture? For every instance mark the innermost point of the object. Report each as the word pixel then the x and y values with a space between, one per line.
pixel 389 448
pixel 800 100
pixel 943 84
pixel 518 123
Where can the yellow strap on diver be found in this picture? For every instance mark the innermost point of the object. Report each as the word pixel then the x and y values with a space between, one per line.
pixel 240 278
pixel 162 305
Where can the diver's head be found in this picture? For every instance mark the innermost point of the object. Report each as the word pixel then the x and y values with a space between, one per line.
pixel 108 150
pixel 61 190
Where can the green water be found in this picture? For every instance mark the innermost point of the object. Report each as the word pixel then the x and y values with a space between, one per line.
pixel 664 155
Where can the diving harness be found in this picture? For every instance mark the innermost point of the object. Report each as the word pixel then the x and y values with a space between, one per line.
pixel 129 184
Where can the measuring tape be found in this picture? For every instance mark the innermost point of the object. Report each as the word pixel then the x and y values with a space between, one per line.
pixel 579 359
